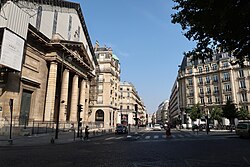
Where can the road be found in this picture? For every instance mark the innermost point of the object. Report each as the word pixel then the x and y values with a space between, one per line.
pixel 152 148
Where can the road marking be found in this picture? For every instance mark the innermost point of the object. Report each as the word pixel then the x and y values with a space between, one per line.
pixel 173 136
pixel 147 137
pixel 156 137
pixel 110 138
pixel 119 138
pixel 163 136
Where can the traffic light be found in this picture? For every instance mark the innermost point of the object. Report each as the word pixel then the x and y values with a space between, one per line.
pixel 79 119
pixel 80 108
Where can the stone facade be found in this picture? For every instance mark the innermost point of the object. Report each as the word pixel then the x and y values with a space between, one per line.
pixel 213 82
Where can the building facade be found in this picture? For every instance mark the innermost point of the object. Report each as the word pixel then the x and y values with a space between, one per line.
pixel 213 82
pixel 129 99
pixel 104 111
pixel 57 64
pixel 162 113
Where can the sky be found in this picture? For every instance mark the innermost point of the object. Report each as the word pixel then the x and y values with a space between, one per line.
pixel 141 34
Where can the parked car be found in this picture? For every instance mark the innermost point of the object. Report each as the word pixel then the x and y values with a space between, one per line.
pixel 243 129
pixel 121 129
pixel 157 127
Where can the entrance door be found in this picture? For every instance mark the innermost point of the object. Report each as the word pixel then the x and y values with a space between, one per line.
pixel 25 108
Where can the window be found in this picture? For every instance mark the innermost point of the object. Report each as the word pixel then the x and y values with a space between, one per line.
pixel 39 17
pixel 244 96
pixel 190 71
pixel 217 99
pixel 226 76
pixel 242 84
pixel 190 81
pixel 99 115
pixel 241 73
pixel 202 101
pixel 209 100
pixel 55 22
pixel 191 101
pixel 227 87
pixel 99 100
pixel 106 56
pixel 128 107
pixel 200 81
pixel 100 78
pixel 228 97
pixel 207 68
pixel 214 67
pixel 225 65
pixel 200 69
pixel 216 89
pixel 208 90
pixel 69 28
pixel 201 91
pixel 207 79
pixel 215 78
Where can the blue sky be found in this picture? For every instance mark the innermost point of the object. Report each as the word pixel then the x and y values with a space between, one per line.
pixel 141 34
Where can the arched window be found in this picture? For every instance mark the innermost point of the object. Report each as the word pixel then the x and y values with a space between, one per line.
pixel 99 115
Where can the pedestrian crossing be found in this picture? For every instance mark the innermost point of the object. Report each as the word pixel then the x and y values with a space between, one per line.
pixel 154 137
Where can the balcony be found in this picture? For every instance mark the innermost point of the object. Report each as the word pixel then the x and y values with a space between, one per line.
pixel 215 81
pixel 226 79
pixel 242 89
pixel 208 93
pixel 200 83
pixel 201 94
pixel 225 91
pixel 216 92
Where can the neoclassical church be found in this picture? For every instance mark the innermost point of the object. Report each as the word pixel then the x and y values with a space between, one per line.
pixel 47 63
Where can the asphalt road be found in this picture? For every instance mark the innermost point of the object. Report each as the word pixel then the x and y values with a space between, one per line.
pixel 151 149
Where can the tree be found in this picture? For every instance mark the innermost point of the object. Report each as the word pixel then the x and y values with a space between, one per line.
pixel 216 114
pixel 195 112
pixel 243 114
pixel 213 24
pixel 230 112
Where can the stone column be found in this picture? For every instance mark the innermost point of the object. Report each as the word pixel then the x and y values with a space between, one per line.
pixel 64 95
pixel 74 99
pixel 51 92
pixel 82 100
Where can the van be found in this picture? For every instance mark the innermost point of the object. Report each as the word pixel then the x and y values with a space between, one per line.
pixel 243 129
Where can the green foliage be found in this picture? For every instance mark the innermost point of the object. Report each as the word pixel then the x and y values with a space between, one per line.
pixel 217 114
pixel 213 24
pixel 243 114
pixel 195 112
pixel 230 111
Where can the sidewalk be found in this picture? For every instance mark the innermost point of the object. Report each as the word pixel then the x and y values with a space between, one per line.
pixel 47 138
pixel 212 132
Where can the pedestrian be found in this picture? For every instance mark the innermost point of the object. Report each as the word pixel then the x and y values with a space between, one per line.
pixel 168 131
pixel 86 137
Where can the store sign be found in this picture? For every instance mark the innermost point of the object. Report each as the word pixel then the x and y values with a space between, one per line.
pixel 12 50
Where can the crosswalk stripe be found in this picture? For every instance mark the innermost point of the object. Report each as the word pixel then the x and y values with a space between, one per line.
pixel 163 136
pixel 173 136
pixel 156 137
pixel 147 137
pixel 119 138
pixel 110 138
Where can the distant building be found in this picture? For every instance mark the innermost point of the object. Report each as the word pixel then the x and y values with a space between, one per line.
pixel 162 113
pixel 105 109
pixel 213 83
pixel 130 98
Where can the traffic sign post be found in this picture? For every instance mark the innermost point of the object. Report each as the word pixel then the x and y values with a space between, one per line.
pixel 11 114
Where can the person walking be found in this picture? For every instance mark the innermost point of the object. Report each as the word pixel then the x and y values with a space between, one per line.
pixel 86 137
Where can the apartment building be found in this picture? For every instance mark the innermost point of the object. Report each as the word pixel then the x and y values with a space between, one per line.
pixel 104 110
pixel 51 64
pixel 212 82
pixel 162 113
pixel 130 98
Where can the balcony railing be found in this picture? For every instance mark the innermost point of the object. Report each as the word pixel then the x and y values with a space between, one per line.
pixel 225 79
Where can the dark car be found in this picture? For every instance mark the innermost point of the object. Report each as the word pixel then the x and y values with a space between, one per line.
pixel 121 129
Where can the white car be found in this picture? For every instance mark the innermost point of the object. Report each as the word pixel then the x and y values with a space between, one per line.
pixel 157 127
